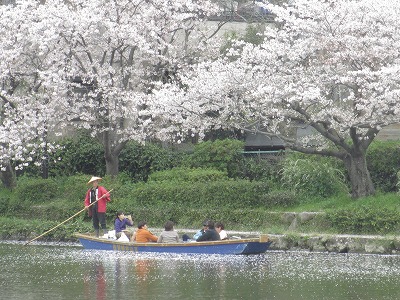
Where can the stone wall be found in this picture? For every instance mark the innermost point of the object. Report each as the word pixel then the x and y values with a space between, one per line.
pixel 295 240
pixel 337 243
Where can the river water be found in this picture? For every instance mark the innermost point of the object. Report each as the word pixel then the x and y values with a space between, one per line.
pixel 66 271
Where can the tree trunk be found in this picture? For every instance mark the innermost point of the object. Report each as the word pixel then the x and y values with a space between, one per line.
pixel 112 164
pixel 8 177
pixel 111 155
pixel 45 159
pixel 45 167
pixel 360 179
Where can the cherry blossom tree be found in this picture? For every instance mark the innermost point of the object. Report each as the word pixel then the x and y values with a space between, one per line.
pixel 93 64
pixel 330 66
pixel 28 102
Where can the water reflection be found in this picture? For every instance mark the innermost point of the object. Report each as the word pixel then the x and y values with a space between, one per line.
pixel 94 283
pixel 48 271
pixel 142 269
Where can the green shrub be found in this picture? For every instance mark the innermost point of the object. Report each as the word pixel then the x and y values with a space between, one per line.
pixel 363 220
pixel 36 190
pixel 189 175
pixel 69 198
pixel 257 168
pixel 398 183
pixel 58 210
pixel 185 217
pixel 74 187
pixel 15 228
pixel 139 161
pixel 223 155
pixel 383 159
pixel 79 154
pixel 231 194
pixel 280 198
pixel 4 205
pixel 312 177
pixel 83 154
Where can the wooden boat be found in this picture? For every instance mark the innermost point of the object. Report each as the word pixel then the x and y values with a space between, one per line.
pixel 233 246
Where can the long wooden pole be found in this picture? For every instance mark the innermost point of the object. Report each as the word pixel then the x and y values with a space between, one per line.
pixel 67 219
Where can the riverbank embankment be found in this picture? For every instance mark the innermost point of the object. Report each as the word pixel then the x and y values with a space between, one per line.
pixel 339 243
pixel 336 243
pixel 296 239
pixel 343 243
pixel 305 231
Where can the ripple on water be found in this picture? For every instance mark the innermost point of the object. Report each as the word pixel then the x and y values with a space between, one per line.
pixel 285 274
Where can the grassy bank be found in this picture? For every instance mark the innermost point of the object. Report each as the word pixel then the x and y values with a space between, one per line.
pixel 37 206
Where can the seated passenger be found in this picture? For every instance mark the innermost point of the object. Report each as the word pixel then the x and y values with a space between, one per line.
pixel 201 231
pixel 220 228
pixel 169 235
pixel 210 233
pixel 143 235
pixel 120 224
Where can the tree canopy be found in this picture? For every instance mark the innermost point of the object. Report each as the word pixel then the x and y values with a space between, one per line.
pixel 90 64
pixel 329 66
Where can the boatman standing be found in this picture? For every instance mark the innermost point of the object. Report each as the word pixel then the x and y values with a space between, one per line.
pixel 98 210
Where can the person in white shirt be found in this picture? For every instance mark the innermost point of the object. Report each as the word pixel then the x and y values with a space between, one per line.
pixel 220 228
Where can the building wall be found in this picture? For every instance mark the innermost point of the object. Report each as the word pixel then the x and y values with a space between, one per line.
pixel 389 133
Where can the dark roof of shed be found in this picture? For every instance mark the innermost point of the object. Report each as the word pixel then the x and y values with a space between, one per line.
pixel 259 139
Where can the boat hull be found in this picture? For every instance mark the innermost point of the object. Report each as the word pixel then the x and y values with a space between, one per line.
pixel 232 247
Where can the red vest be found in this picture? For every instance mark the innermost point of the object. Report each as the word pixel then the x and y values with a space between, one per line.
pixel 102 203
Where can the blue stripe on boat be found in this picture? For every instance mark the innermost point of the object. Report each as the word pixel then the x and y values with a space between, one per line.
pixel 236 246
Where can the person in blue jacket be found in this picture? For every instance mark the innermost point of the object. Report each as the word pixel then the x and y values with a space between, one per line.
pixel 210 233
pixel 120 224
pixel 201 231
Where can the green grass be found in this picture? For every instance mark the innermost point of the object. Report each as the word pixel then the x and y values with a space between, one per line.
pixel 389 200
pixel 25 217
